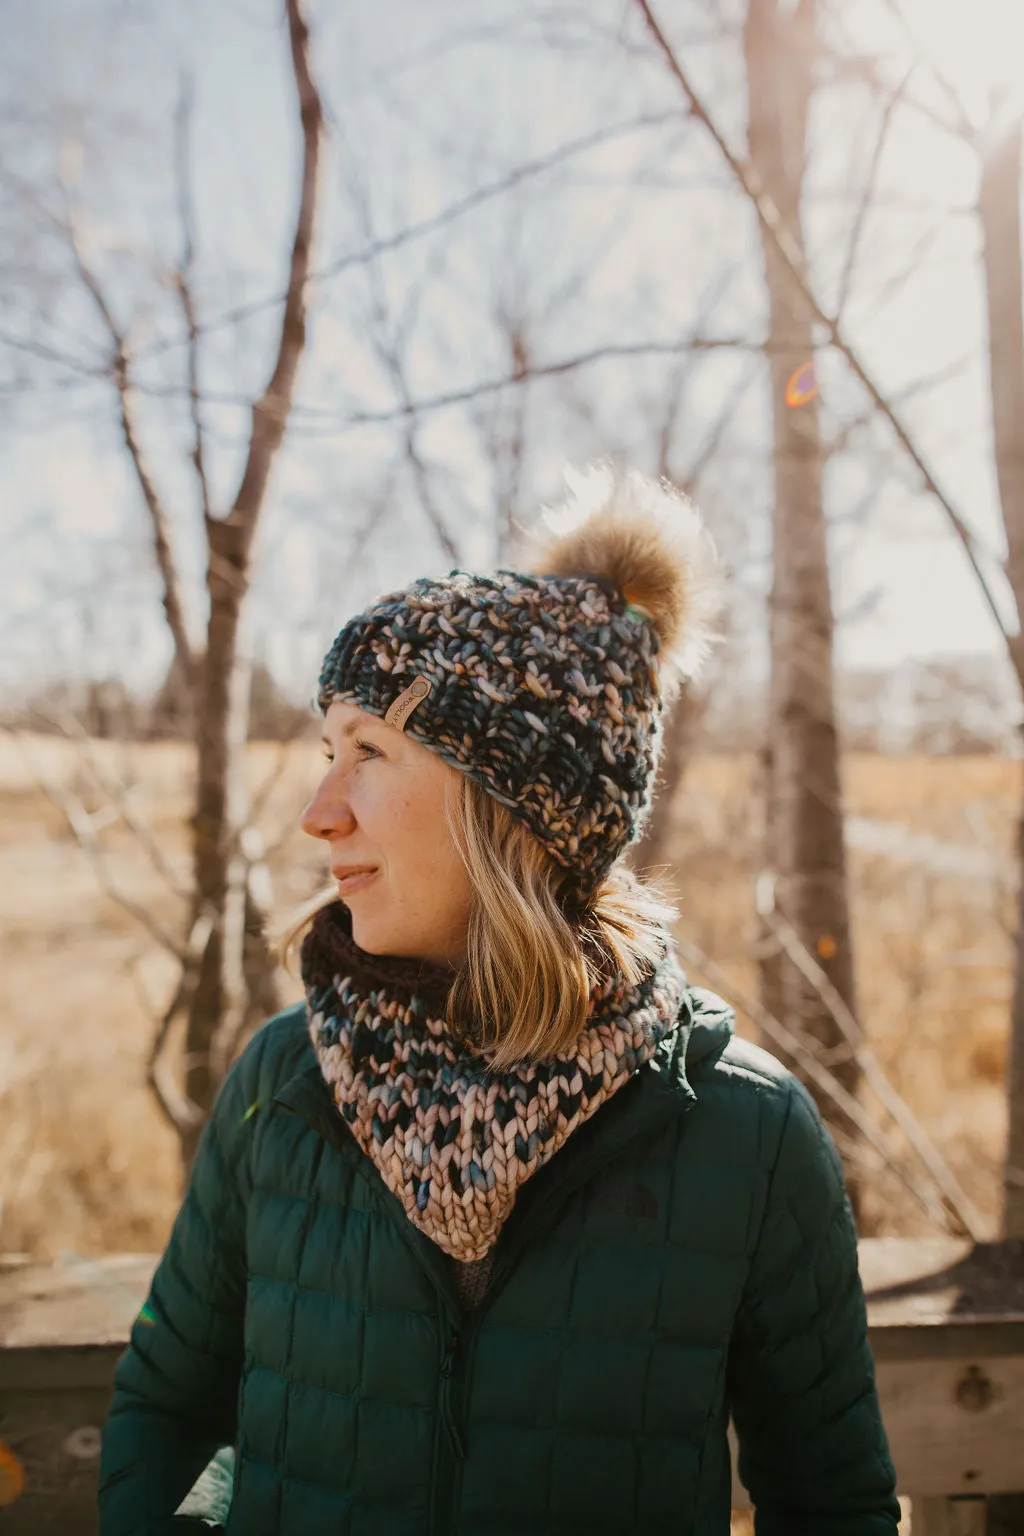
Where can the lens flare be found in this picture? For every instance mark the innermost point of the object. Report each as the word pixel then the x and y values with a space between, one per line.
pixel 802 386
pixel 12 1476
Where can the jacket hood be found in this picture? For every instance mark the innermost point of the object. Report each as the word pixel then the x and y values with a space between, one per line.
pixel 710 1027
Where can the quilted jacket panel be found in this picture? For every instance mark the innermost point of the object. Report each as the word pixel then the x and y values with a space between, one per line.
pixel 689 1253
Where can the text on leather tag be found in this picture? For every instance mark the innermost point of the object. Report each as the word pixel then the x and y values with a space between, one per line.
pixel 401 708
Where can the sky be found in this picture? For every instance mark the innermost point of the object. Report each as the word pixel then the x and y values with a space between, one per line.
pixel 632 240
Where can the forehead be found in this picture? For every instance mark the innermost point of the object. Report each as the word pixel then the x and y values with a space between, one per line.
pixel 344 718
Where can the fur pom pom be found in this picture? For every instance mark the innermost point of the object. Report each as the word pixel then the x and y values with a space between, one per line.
pixel 647 538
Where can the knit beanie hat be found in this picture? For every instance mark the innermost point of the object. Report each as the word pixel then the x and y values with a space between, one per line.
pixel 548 685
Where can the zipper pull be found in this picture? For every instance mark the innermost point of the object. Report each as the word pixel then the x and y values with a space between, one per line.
pixel 455 1441
pixel 448 1362
pixel 451 1428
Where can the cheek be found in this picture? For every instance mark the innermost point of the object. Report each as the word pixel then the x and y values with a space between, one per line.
pixel 393 820
pixel 396 816
pixel 420 845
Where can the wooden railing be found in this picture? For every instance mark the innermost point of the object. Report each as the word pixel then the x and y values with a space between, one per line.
pixel 946 1325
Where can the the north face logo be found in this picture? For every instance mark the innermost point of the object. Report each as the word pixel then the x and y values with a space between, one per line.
pixel 625 1197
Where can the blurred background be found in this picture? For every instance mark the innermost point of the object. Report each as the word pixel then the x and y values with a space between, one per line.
pixel 290 317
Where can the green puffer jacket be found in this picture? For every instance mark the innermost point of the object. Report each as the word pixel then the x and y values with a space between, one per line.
pixel 688 1253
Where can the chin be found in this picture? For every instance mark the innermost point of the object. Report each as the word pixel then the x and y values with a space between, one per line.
pixel 370 939
pixel 384 945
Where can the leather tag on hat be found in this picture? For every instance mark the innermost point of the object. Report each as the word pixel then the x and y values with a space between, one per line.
pixel 401 708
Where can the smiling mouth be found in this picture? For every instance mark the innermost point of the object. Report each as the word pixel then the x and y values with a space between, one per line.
pixel 354 882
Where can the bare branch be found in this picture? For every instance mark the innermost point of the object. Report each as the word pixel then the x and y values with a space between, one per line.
pixel 961 124
pixel 560 366
pixel 182 1113
pixel 119 796
pixel 479 196
pixel 388 339
pixel 679 380
pixel 275 773
pixel 773 1030
pixel 711 444
pixel 121 374
pixel 867 194
pixel 677 385
pixel 783 242
pixel 965 1210
pixel 80 372
pixel 840 441
pixel 183 286
pixel 86 832
pixel 235 996
pixel 509 458
pixel 854 64
pixel 334 421
pixel 892 285
pixel 270 413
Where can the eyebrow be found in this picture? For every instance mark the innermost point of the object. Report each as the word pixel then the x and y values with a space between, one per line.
pixel 354 725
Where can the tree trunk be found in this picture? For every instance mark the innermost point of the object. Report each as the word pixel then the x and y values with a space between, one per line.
pixel 233 976
pixel 217 822
pixel 999 209
pixel 804 808
pixel 237 986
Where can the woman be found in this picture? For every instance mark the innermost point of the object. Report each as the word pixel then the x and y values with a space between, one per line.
pixel 496 1230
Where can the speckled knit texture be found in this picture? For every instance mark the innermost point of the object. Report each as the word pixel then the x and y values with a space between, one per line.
pixel 472 1277
pixel 542 689
pixel 453 1140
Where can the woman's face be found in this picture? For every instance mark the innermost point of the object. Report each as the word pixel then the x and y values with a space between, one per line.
pixel 380 808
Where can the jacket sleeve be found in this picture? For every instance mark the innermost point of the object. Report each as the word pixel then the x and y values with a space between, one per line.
pixel 813 1452
pixel 176 1385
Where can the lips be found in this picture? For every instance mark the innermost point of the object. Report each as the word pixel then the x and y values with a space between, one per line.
pixel 352 879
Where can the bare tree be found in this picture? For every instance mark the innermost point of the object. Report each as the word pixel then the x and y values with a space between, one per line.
pixel 802 788
pixel 803 792
pixel 999 211
pixel 998 147
pixel 218 1011
pixel 227 972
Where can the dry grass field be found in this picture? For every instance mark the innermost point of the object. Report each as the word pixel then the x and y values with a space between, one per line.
pixel 87 1164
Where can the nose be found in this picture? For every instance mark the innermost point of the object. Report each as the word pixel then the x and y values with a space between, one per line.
pixel 328 814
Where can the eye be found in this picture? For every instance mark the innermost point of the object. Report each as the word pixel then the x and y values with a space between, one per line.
pixel 360 746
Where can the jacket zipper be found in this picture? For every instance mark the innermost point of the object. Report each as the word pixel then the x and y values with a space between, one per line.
pixel 449 1449
pixel 458 1361
pixel 458 1449
pixel 535 1224
pixel 459 1353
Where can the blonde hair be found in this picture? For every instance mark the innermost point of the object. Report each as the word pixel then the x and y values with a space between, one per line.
pixel 532 961
pixel 525 988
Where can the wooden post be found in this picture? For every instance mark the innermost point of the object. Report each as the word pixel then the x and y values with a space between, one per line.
pixel 948 1517
pixel 62 1327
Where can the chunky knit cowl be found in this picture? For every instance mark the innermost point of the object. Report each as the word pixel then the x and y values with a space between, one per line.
pixel 453 1139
